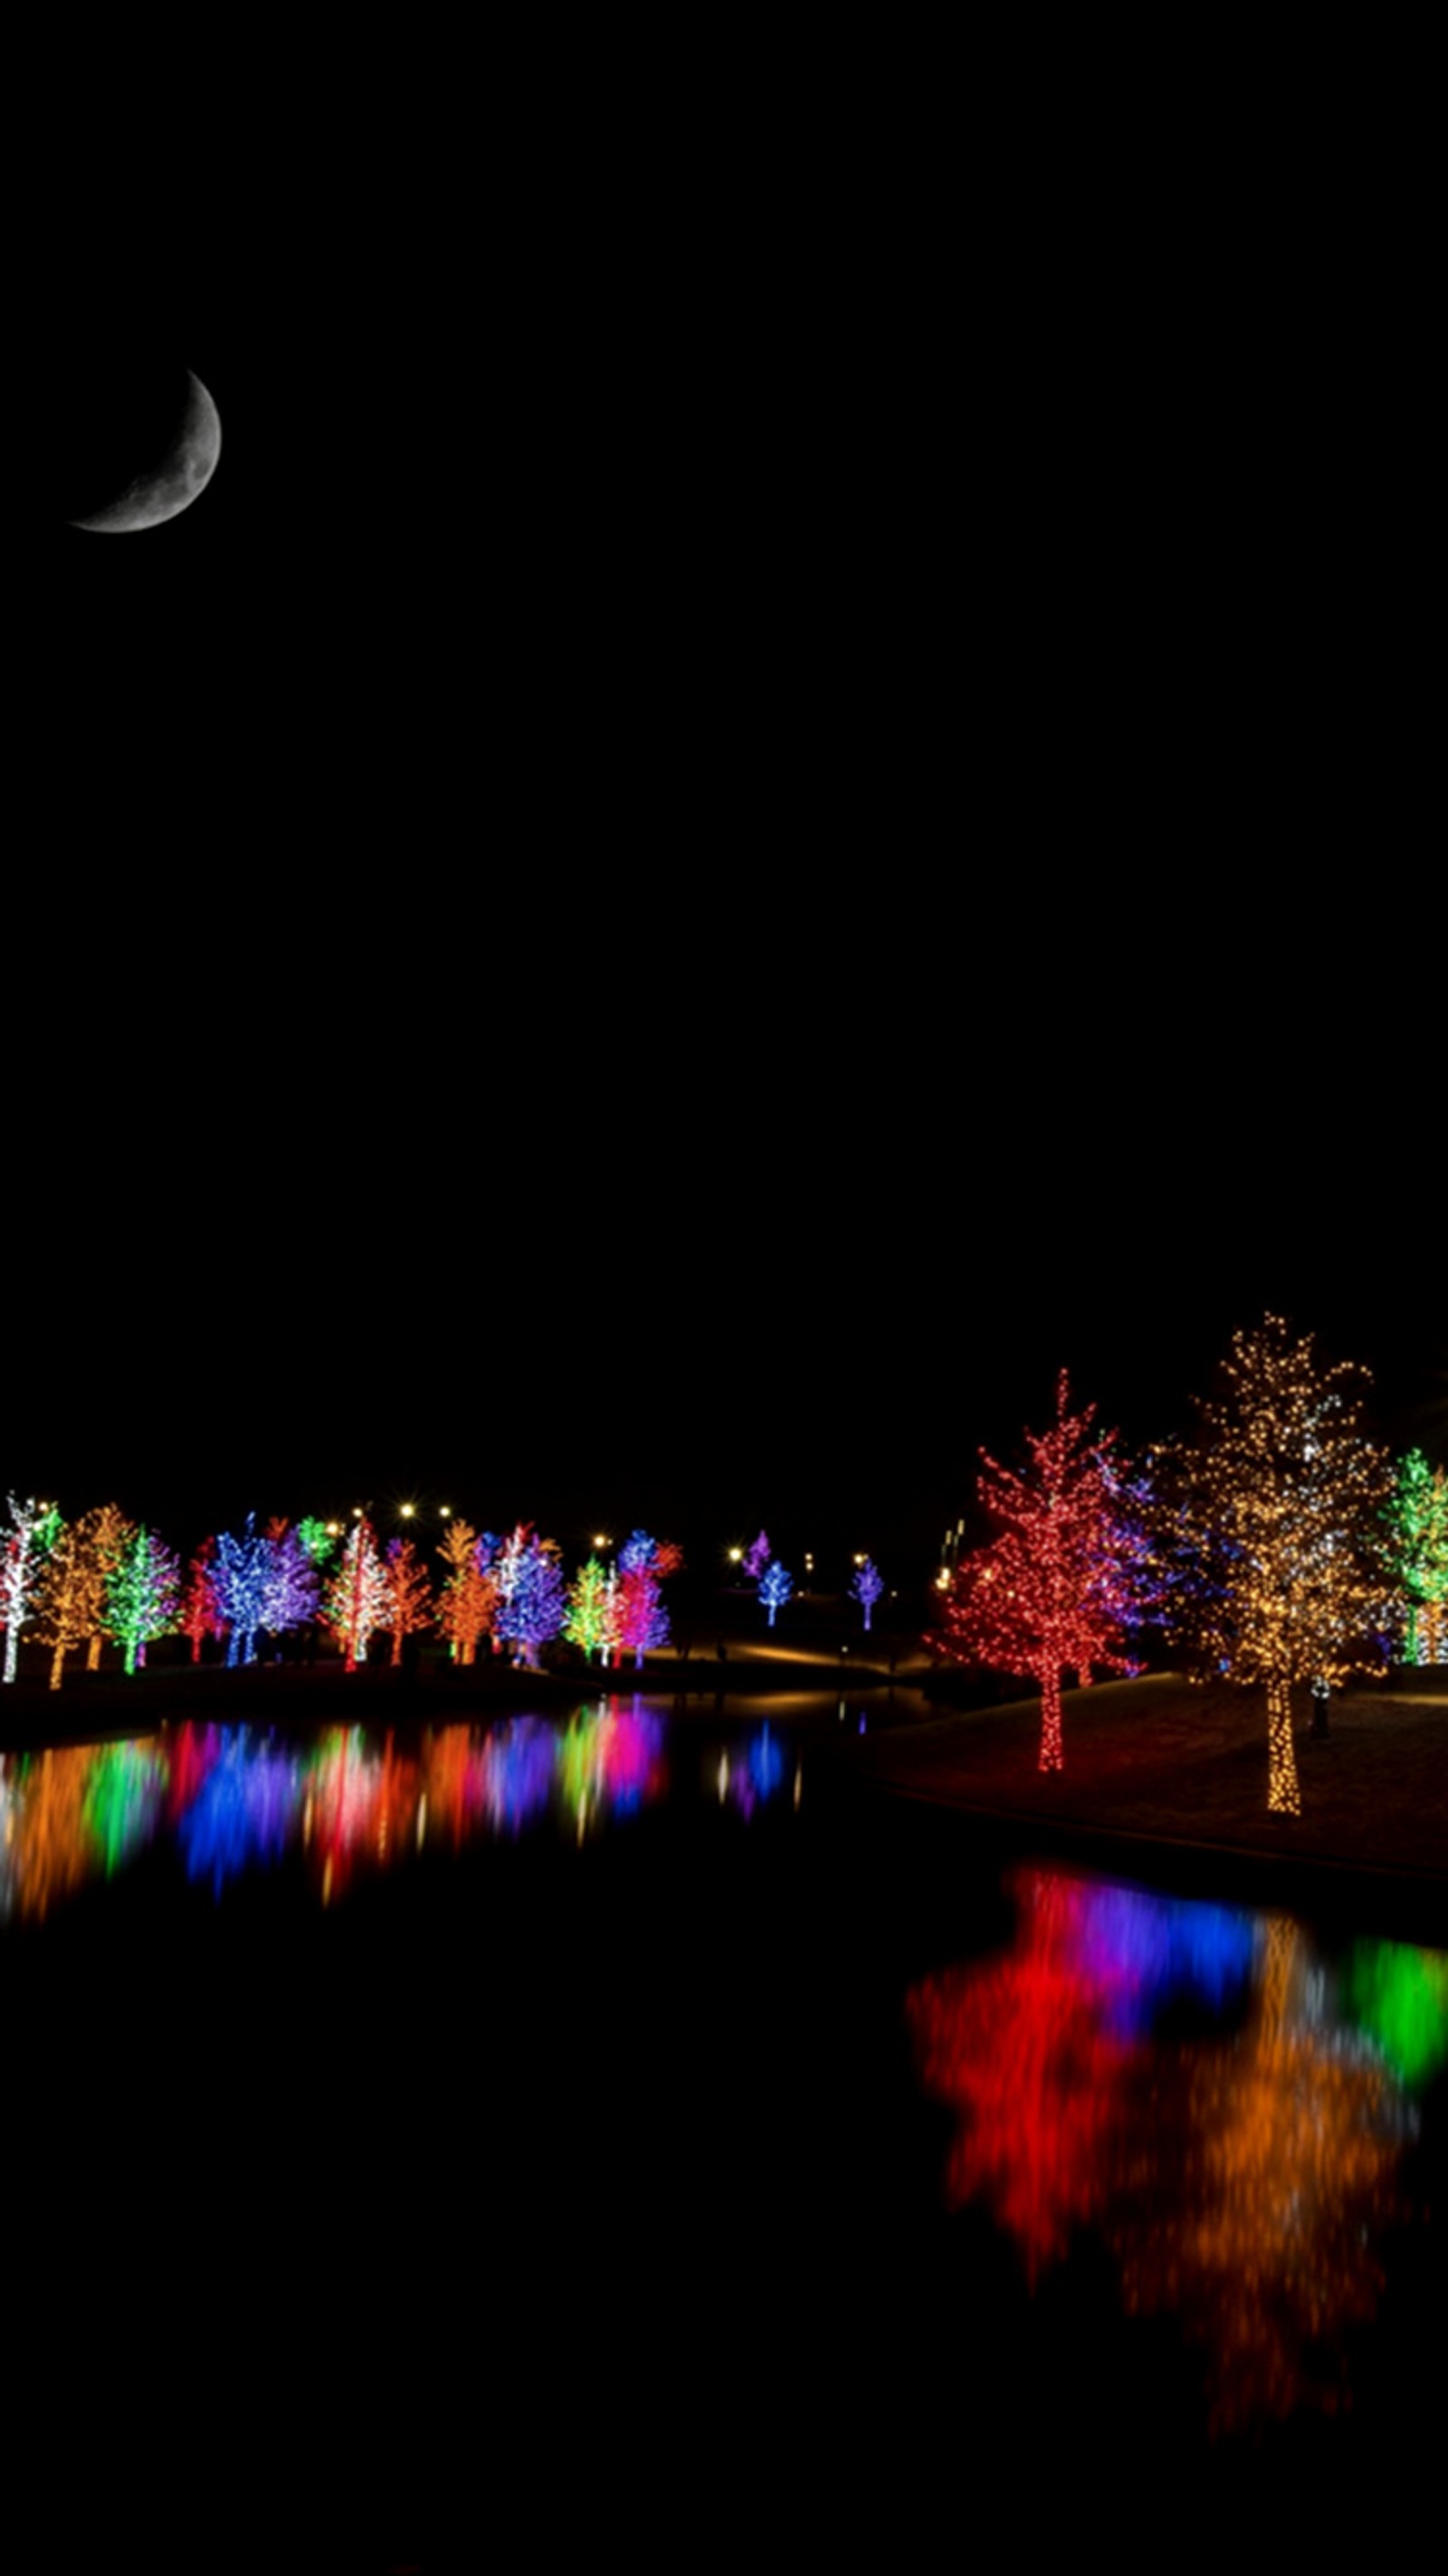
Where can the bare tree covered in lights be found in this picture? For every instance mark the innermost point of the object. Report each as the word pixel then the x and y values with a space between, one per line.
pixel 1275 1514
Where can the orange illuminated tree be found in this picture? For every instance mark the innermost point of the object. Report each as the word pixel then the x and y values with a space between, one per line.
pixel 469 1595
pixel 1059 1585
pixel 409 1595
pixel 72 1595
pixel 1274 1518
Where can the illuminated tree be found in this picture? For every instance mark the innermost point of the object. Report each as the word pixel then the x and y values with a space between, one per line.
pixel 533 1597
pixel 1417 1520
pixel 1061 1582
pixel 142 1596
pixel 23 1550
pixel 643 1622
pixel 293 1588
pixel 469 1594
pixel 106 1532
pixel 1277 1508
pixel 591 1620
pixel 71 1598
pixel 867 1587
pixel 756 1558
pixel 775 1587
pixel 409 1594
pixel 241 1579
pixel 201 1612
pixel 356 1597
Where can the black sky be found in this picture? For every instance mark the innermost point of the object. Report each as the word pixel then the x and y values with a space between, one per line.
pixel 782 785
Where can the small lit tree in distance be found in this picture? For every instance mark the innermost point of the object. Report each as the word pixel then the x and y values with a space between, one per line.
pixel 469 1593
pixel 356 1599
pixel 409 1594
pixel 1056 1588
pixel 592 1616
pixel 72 1596
pixel 757 1558
pixel 867 1587
pixel 201 1612
pixel 1417 1519
pixel 775 1587
pixel 142 1597
pixel 23 1549
pixel 1279 1503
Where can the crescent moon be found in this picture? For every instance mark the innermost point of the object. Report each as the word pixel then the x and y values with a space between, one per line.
pixel 171 486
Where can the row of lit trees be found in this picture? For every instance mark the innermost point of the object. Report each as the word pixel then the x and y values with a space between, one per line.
pixel 76 1584
pixel 1275 1547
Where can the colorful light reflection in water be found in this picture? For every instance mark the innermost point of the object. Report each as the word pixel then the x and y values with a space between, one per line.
pixel 233 1801
pixel 1187 2081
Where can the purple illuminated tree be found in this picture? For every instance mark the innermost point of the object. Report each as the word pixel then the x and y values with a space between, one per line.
pixel 775 1587
pixel 294 1579
pixel 867 1587
pixel 756 1558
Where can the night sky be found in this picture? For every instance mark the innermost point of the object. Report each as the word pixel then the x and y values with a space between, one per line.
pixel 777 790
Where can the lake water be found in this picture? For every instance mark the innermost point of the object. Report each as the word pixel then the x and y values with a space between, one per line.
pixel 623 2120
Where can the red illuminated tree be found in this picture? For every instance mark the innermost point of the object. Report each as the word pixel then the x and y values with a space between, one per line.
pixel 1057 1587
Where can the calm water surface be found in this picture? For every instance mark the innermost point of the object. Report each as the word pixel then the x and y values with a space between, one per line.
pixel 624 2117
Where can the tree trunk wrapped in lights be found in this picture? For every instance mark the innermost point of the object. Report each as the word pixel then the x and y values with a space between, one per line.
pixel 1271 1523
pixel 1066 1576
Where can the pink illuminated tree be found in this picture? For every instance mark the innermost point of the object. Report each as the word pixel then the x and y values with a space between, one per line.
pixel 1058 1586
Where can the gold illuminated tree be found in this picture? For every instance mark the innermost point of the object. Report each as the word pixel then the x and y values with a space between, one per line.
pixel 72 1596
pixel 105 1533
pixel 1271 1522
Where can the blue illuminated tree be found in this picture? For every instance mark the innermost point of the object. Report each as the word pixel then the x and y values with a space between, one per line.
pixel 534 1602
pixel 241 1578
pixel 867 1587
pixel 775 1587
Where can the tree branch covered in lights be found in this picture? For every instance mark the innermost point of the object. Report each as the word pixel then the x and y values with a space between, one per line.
pixel 1064 1579
pixel 1276 1510
pixel 241 1577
